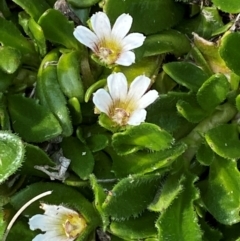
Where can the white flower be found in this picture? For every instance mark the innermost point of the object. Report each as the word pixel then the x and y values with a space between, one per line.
pixel 111 46
pixel 125 106
pixel 58 223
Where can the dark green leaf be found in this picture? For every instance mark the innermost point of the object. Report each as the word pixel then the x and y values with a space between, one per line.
pixel 186 74
pixel 82 161
pixel 136 228
pixel 141 137
pixel 179 220
pixel 172 14
pixel 145 162
pixel 68 71
pixel 32 121
pixel 213 92
pixel 229 44
pixel 61 32
pixel 34 8
pixel 224 141
pixel 131 196
pixel 222 196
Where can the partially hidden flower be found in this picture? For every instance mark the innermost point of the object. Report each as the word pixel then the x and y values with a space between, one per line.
pixel 111 46
pixel 125 105
pixel 59 223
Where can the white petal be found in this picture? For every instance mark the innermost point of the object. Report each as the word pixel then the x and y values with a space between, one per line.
pixel 86 37
pixel 101 24
pixel 126 58
pixel 118 86
pixel 122 26
pixel 137 117
pixel 56 210
pixel 133 41
pixel 44 223
pixel 147 99
pixel 102 100
pixel 138 87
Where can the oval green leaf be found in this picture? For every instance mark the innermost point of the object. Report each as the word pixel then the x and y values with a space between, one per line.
pixel 224 141
pixel 186 74
pixel 11 154
pixel 213 92
pixel 222 197
pixel 140 137
pixel 228 45
pixel 32 121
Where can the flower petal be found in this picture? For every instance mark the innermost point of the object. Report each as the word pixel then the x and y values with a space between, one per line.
pixel 102 100
pixel 137 117
pixel 85 36
pixel 101 25
pixel 44 223
pixel 133 41
pixel 147 99
pixel 118 86
pixel 56 210
pixel 126 58
pixel 122 26
pixel 138 87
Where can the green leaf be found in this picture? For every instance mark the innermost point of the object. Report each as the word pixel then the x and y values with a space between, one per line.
pixel 11 154
pixel 10 59
pixel 213 92
pixel 191 111
pixel 181 215
pixel 8 35
pixel 172 14
pixel 61 195
pixel 34 8
pixel 49 92
pixel 168 41
pixel 135 228
pixel 224 141
pixel 6 80
pixel 36 33
pixel 229 6
pixel 204 24
pixel 222 196
pixel 145 162
pixel 131 196
pixel 97 142
pixel 205 155
pixel 68 71
pixel 35 156
pixel 144 136
pixel 82 161
pixel 166 105
pixel 83 3
pixel 169 191
pixel 61 32
pixel 32 121
pixel 186 74
pixel 99 195
pixel 228 45
pixel 210 53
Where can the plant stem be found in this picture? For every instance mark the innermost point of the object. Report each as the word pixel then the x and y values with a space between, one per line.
pixel 194 139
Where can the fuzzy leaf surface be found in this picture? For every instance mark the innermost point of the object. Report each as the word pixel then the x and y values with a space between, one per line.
pixel 222 197
pixel 146 135
pixel 131 196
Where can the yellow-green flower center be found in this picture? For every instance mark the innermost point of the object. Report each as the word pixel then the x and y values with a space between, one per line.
pixel 74 225
pixel 108 51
